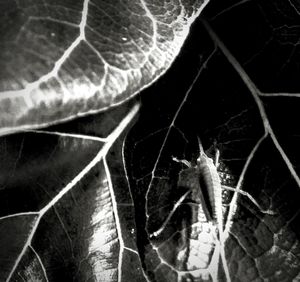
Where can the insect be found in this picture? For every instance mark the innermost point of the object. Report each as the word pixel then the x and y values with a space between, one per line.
pixel 204 188
pixel 203 181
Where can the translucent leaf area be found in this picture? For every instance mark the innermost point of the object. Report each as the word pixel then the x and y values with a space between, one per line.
pixel 119 196
pixel 62 59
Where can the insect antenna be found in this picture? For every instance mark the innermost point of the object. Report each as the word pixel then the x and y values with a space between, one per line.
pixel 201 150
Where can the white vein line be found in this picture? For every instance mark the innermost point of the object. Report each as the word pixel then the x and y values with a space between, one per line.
pixel 291 219
pixel 171 237
pixel 228 9
pixel 294 7
pixel 58 64
pixel 291 95
pixel 214 263
pixel 100 155
pixel 125 204
pixel 103 12
pixel 150 135
pixel 111 139
pixel 49 18
pixel 22 277
pixel 64 230
pixel 195 272
pixel 61 134
pixel 127 177
pixel 163 261
pixel 241 245
pixel 223 257
pixel 233 202
pixel 154 24
pixel 117 219
pixel 132 41
pixel 18 157
pixel 106 64
pixel 19 214
pixel 41 263
pixel 155 35
pixel 250 198
pixel 131 250
pixel 285 157
pixel 67 92
pixel 83 22
pixel 170 214
pixel 255 94
pixel 173 123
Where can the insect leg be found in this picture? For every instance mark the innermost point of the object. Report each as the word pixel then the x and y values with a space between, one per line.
pixel 185 162
pixel 244 193
pixel 163 226
pixel 217 157
pixel 201 151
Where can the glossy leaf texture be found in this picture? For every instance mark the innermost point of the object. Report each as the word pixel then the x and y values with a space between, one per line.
pixel 64 59
pixel 96 200
pixel 236 87
pixel 66 213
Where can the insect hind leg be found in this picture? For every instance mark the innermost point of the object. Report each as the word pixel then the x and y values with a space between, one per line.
pixel 248 195
pixel 166 221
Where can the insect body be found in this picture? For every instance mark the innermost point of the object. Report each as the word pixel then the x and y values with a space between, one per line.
pixel 204 178
pixel 204 183
pixel 211 189
pixel 203 187
pixel 210 182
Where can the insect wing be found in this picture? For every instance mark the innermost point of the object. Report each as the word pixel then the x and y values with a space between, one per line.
pixel 211 188
pixel 190 178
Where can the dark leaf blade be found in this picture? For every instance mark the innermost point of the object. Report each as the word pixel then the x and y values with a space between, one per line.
pixel 72 228
pixel 259 155
pixel 151 227
pixel 268 47
pixel 263 246
pixel 129 260
pixel 185 247
pixel 62 60
pixel 30 268
pixel 35 166
pixel 81 231
pixel 14 232
pixel 175 241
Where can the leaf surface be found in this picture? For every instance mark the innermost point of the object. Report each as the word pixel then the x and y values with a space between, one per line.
pixel 64 59
pixel 135 213
pixel 64 222
pixel 232 98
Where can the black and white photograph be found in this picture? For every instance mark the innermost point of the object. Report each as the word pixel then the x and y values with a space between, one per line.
pixel 149 140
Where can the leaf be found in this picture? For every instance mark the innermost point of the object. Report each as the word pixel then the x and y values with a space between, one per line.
pixel 67 59
pixel 132 216
pixel 233 98
pixel 59 216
